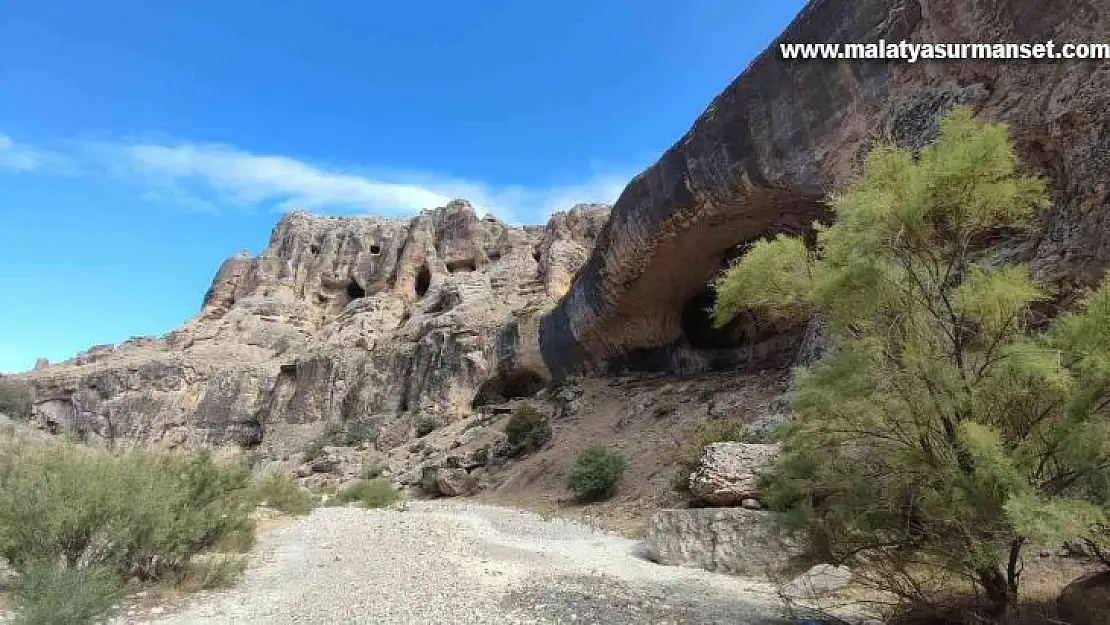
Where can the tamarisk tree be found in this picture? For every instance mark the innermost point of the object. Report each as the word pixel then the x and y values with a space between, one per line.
pixel 947 426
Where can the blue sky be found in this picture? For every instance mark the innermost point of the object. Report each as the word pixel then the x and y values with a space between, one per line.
pixel 142 142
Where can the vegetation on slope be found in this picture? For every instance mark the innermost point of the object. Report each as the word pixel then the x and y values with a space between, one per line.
pixel 948 426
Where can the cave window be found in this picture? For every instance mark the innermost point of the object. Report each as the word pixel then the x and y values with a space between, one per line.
pixel 494 257
pixel 355 290
pixel 698 328
pixel 423 281
pixel 467 264
pixel 515 384
pixel 536 255
pixel 375 249
pixel 314 249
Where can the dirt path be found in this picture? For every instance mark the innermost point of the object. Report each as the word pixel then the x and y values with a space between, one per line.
pixel 442 562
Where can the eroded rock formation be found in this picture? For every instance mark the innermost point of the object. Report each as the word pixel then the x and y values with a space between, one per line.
pixel 359 322
pixel 785 132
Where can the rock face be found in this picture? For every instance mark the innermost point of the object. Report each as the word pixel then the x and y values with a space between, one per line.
pixel 1086 600
pixel 784 133
pixel 728 540
pixel 356 322
pixel 728 473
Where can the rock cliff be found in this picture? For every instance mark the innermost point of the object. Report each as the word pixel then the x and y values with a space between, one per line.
pixel 356 322
pixel 785 132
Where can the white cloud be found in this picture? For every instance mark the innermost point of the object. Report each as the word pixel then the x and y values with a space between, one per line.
pixel 213 178
pixel 19 157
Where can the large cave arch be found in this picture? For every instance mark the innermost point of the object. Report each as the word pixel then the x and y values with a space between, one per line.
pixel 515 384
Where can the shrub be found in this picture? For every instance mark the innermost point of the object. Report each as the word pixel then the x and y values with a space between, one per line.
pixel 281 492
pixel 373 469
pixel 15 400
pixel 425 426
pixel 135 515
pixel 51 595
pixel 367 493
pixel 595 473
pixel 213 571
pixel 940 433
pixel 688 454
pixel 527 430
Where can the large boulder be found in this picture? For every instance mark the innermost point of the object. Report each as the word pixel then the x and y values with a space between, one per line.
pixel 770 146
pixel 728 473
pixel 727 540
pixel 1086 600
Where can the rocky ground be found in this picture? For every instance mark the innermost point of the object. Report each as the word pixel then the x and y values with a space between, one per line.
pixel 440 562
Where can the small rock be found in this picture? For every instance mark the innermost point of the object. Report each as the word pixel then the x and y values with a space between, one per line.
pixel 751 504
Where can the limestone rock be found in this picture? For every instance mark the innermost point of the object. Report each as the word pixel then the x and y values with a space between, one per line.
pixel 728 473
pixel 1086 600
pixel 761 157
pixel 365 322
pixel 819 580
pixel 727 540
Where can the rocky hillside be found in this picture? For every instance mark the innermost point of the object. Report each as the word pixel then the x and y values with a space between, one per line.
pixel 360 322
pixel 364 323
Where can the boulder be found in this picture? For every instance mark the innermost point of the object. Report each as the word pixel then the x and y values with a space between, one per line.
pixel 726 540
pixel 324 464
pixel 448 482
pixel 1086 600
pixel 819 580
pixel 728 473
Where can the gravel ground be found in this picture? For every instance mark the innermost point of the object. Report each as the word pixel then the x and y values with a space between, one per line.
pixel 446 562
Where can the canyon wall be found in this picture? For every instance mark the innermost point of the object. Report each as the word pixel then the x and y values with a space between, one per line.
pixel 785 132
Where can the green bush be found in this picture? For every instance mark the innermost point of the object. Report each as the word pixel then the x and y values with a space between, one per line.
pixel 367 493
pixel 595 473
pixel 15 400
pixel 425 426
pixel 135 515
pixel 279 491
pixel 946 428
pixel 373 469
pixel 214 571
pixel 51 595
pixel 527 430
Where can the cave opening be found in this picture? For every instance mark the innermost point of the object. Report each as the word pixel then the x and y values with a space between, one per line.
pixel 314 249
pixel 355 290
pixel 494 256
pixel 423 281
pixel 536 255
pixel 375 249
pixel 698 328
pixel 515 384
pixel 466 264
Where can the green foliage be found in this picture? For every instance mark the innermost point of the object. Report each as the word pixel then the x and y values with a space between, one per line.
pixel 595 473
pixel 281 492
pixel 373 469
pixel 134 515
pixel 215 571
pixel 939 433
pixel 15 400
pixel 425 425
pixel 367 493
pixel 51 595
pixel 527 430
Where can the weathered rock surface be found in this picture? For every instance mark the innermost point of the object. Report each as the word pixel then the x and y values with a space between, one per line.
pixel 728 473
pixel 819 580
pixel 785 132
pixel 356 322
pixel 1086 600
pixel 728 540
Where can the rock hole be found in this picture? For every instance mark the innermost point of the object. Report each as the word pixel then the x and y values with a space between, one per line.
pixel 697 324
pixel 514 384
pixel 494 257
pixel 467 264
pixel 375 249
pixel 423 281
pixel 314 249
pixel 355 290
pixel 536 255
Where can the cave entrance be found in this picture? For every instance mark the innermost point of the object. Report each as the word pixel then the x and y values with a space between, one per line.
pixel 697 324
pixel 514 384
pixel 466 264
pixel 355 290
pixel 423 281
